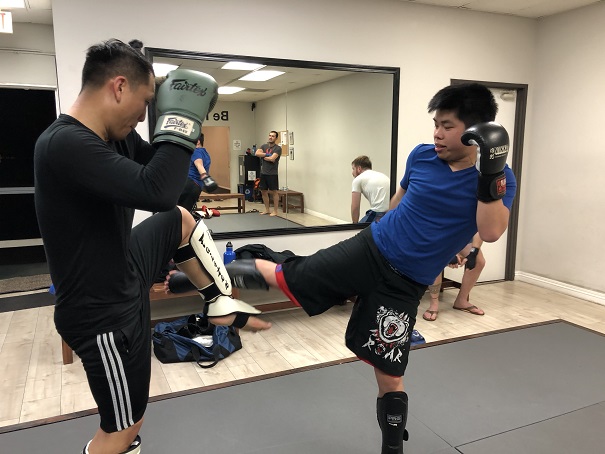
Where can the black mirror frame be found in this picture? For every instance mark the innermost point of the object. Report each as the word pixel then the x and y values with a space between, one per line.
pixel 152 52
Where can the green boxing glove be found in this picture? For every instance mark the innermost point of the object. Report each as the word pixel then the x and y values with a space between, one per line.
pixel 183 101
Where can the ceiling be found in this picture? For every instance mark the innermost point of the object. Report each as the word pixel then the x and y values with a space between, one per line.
pixel 40 11
pixel 35 12
pixel 293 78
pixel 524 8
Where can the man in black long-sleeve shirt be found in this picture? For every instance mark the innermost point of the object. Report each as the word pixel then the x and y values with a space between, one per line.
pixel 92 170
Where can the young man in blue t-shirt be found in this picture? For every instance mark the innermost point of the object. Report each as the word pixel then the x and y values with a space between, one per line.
pixel 451 189
pixel 198 178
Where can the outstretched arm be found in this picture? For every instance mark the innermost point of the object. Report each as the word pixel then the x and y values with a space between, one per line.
pixel 355 204
pixel 199 165
pixel 209 184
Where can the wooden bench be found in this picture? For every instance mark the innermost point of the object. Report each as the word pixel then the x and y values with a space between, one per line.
pixel 286 200
pixel 241 201
pixel 156 294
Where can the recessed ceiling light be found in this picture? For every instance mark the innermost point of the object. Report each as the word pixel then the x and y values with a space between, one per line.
pixel 261 76
pixel 229 90
pixel 12 4
pixel 161 69
pixel 242 66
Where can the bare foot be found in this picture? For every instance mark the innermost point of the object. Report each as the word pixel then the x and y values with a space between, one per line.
pixel 273 214
pixel 254 323
pixel 264 212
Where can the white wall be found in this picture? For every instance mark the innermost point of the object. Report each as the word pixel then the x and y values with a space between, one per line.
pixel 333 123
pixel 27 56
pixel 563 205
pixel 312 241
pixel 561 218
pixel 241 127
pixel 29 37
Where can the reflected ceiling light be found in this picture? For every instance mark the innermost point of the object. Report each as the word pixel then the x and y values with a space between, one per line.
pixel 261 76
pixel 12 3
pixel 161 69
pixel 229 90
pixel 240 65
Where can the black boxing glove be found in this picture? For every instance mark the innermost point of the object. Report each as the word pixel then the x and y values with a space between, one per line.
pixel 471 258
pixel 209 183
pixel 180 283
pixel 492 144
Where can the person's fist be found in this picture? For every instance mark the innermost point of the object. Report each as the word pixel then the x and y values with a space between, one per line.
pixel 209 184
pixel 183 101
pixel 492 144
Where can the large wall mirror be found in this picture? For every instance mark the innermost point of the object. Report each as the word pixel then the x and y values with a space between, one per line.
pixel 327 114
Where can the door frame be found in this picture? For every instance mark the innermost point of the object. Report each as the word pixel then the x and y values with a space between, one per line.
pixel 24 250
pixel 224 167
pixel 519 137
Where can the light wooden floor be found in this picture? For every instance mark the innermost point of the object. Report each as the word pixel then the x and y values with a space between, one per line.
pixel 35 384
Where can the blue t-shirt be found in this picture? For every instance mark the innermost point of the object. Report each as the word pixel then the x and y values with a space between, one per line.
pixel 436 217
pixel 199 153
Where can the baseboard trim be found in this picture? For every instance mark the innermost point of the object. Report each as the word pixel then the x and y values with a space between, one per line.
pixel 325 217
pixel 568 289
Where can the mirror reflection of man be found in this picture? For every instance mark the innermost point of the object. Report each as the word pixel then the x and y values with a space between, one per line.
pixel 373 185
pixel 269 155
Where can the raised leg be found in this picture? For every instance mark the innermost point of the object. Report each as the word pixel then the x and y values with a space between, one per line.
pixel 200 260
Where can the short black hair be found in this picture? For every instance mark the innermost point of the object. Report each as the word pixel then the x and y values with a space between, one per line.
pixel 471 102
pixel 114 58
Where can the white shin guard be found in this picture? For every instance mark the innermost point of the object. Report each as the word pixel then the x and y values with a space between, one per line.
pixel 225 305
pixel 217 294
pixel 205 250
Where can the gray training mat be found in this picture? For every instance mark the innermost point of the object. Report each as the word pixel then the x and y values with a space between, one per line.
pixel 531 390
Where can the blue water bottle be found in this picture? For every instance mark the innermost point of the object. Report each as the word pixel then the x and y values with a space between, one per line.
pixel 229 255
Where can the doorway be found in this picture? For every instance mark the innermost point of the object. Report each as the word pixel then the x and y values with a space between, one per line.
pixel 500 256
pixel 25 112
pixel 216 142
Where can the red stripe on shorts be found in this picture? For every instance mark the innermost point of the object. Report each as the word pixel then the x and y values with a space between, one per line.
pixel 281 283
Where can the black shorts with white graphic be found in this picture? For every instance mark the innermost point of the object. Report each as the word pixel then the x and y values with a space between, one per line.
pixel 385 312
